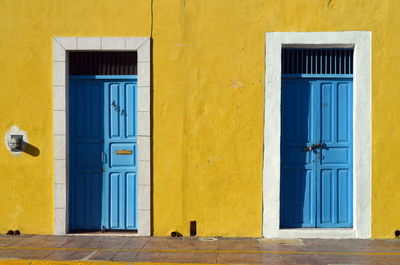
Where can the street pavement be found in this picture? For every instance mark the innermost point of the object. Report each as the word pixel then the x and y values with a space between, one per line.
pixel 103 249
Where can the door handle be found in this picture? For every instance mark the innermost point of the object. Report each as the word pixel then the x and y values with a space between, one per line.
pixel 314 146
pixel 103 157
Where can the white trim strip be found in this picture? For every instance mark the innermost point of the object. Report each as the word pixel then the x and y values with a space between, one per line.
pixel 361 41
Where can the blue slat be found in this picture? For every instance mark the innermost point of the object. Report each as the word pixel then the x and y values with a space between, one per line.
pixel 320 61
pixel 312 62
pixel 334 62
pixel 292 61
pixel 306 62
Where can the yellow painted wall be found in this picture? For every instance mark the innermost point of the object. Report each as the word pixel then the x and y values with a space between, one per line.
pixel 208 62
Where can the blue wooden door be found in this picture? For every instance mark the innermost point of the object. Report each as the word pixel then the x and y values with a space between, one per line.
pixel 316 153
pixel 102 153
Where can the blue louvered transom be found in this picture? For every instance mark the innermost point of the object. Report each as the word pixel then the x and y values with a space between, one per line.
pixel 317 61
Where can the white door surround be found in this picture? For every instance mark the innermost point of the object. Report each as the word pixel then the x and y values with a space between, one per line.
pixel 362 134
pixel 61 46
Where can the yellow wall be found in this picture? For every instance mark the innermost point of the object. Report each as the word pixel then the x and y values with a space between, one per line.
pixel 208 62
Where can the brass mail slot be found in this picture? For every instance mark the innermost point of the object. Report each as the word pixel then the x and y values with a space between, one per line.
pixel 123 152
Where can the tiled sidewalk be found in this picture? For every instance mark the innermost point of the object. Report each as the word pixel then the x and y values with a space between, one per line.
pixel 198 250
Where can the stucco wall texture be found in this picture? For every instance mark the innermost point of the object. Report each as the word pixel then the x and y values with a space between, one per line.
pixel 207 106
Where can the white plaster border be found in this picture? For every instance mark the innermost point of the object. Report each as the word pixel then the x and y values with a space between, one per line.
pixel 61 45
pixel 361 41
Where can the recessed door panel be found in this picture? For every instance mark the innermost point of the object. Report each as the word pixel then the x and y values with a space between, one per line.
pixel 335 156
pixel 123 155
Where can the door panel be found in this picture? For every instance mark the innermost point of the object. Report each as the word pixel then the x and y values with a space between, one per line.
pixel 344 95
pixel 316 186
pixel 120 145
pixel 102 184
pixel 337 156
pixel 86 145
pixel 327 111
pixel 298 180
pixel 328 187
pixel 345 191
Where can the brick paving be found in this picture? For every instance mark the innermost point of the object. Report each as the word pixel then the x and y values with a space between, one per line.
pixel 199 250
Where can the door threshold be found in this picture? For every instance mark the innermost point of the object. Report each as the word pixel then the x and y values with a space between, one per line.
pixel 100 233
pixel 317 228
pixel 314 233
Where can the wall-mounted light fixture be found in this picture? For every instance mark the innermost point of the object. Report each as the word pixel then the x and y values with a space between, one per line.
pixel 15 142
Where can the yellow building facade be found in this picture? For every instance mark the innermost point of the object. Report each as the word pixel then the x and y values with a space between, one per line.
pixel 208 81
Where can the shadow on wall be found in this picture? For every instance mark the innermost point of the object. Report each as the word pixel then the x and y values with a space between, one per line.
pixel 30 149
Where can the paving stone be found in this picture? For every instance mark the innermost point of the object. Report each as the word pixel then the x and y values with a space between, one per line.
pixel 67 255
pixel 107 243
pixel 148 256
pixel 31 254
pixel 104 255
pixel 7 253
pixel 238 258
pixel 206 257
pixel 135 243
pixel 179 257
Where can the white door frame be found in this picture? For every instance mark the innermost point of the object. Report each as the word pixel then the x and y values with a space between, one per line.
pixel 362 134
pixel 61 46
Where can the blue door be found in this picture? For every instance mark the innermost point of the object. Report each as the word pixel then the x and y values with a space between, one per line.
pixel 316 153
pixel 102 153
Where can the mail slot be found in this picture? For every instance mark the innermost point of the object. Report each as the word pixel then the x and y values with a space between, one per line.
pixel 123 152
